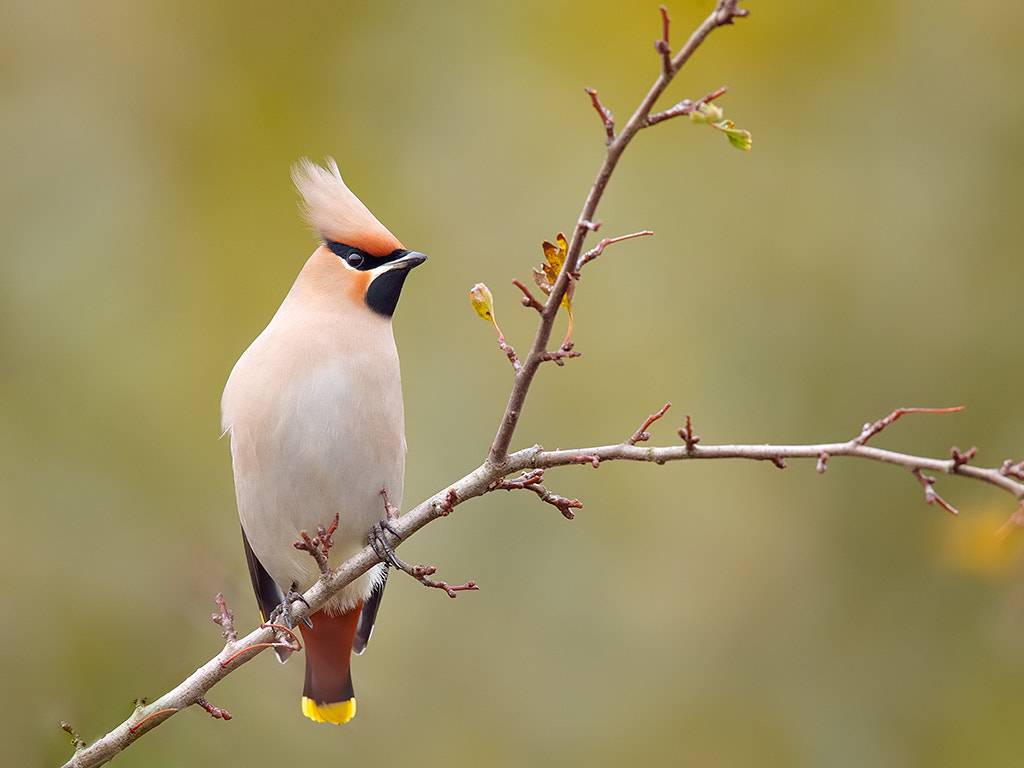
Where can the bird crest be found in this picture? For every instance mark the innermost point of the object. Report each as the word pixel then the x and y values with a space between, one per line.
pixel 335 213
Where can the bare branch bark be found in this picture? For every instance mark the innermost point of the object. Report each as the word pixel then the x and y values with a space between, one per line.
pixel 486 478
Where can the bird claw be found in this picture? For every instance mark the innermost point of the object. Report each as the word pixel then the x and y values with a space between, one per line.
pixel 283 615
pixel 382 547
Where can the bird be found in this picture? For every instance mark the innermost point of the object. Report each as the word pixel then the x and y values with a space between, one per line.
pixel 315 417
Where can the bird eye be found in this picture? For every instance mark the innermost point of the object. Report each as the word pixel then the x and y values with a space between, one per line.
pixel 354 259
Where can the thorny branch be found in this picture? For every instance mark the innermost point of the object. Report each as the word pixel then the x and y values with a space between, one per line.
pixel 531 462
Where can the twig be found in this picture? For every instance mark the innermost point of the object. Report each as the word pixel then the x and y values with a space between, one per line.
pixel 215 712
pixel 226 619
pixel 931 496
pixel 689 438
pixel 870 430
pixel 724 13
pixel 422 573
pixel 662 46
pixel 528 300
pixel 1012 470
pixel 684 107
pixel 959 459
pixel 598 249
pixel 604 113
pixel 531 481
pixel 560 354
pixel 641 434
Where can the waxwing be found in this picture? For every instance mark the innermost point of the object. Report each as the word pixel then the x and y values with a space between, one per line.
pixel 314 411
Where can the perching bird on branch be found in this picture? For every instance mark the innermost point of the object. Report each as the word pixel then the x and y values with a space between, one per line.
pixel 314 410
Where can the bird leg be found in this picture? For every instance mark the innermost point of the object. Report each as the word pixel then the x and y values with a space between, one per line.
pixel 383 549
pixel 283 613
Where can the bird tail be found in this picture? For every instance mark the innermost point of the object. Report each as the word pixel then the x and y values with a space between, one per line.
pixel 328 696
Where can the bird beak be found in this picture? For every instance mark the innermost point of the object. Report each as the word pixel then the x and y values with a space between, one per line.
pixel 408 261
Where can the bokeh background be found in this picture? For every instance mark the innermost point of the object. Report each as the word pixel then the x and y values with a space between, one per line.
pixel 863 256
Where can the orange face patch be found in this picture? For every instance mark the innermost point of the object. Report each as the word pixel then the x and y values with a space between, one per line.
pixel 358 283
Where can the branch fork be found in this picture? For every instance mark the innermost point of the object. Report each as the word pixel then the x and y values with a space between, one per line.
pixel 531 481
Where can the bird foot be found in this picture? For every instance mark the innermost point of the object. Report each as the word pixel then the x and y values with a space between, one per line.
pixel 283 614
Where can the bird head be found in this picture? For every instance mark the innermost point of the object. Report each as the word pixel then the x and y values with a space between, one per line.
pixel 358 253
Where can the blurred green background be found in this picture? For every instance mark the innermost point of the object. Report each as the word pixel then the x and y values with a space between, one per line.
pixel 863 256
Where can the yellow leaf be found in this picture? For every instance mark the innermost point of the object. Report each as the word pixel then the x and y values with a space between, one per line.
pixel 482 301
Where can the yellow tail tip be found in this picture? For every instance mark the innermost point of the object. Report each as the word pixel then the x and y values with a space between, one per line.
pixel 337 712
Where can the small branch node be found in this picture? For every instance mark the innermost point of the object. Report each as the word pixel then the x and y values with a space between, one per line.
pixel 605 114
pixel 598 249
pixel 318 546
pixel 1009 469
pixel 76 740
pixel 822 463
pixel 689 438
pixel 560 354
pixel 447 505
pixel 591 226
pixel 931 496
pixel 684 107
pixel 727 10
pixel 642 434
pixel 961 458
pixel 870 430
pixel 531 481
pixel 510 353
pixel 587 458
pixel 778 461
pixel 215 712
pixel 226 619
pixel 528 300
pixel 662 46
pixel 422 574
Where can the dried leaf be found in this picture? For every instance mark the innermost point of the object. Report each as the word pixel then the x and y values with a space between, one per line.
pixel 547 275
pixel 554 254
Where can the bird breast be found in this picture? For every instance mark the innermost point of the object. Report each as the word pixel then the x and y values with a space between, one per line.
pixel 314 409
